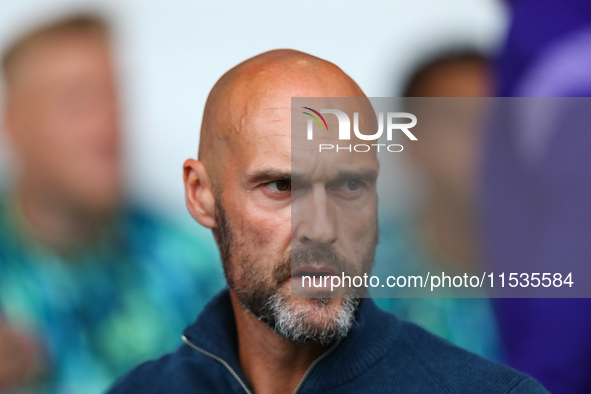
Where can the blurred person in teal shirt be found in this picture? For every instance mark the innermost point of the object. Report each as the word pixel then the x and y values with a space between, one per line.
pixel 440 234
pixel 89 285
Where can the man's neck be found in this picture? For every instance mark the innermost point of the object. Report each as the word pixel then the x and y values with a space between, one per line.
pixel 270 363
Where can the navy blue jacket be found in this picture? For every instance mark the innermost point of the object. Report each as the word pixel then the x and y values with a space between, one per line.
pixel 381 354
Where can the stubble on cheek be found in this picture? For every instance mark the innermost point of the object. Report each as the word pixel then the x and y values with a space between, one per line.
pixel 252 270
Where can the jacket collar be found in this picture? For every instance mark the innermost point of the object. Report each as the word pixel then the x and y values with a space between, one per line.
pixel 215 330
pixel 372 336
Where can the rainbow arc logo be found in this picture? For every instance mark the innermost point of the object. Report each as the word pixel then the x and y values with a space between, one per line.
pixel 315 118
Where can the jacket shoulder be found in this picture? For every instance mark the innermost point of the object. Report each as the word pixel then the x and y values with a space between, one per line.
pixel 182 372
pixel 176 372
pixel 529 385
pixel 462 371
pixel 150 377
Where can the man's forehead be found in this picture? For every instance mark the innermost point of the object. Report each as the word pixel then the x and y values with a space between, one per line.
pixel 259 129
pixel 266 147
pixel 310 167
pixel 261 115
pixel 261 142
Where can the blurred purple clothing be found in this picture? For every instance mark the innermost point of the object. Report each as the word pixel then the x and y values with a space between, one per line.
pixel 536 26
pixel 537 190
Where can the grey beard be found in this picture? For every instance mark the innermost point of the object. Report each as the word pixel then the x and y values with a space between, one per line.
pixel 290 321
pixel 260 294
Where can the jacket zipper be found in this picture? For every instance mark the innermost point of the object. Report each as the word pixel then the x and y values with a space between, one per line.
pixel 311 367
pixel 225 364
pixel 220 360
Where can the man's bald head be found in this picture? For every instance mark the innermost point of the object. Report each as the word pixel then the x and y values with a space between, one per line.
pixel 241 188
pixel 263 83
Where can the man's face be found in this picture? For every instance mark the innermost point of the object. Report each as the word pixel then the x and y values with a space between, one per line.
pixel 276 214
pixel 64 121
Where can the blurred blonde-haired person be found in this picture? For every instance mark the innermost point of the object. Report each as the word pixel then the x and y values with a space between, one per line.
pixel 85 288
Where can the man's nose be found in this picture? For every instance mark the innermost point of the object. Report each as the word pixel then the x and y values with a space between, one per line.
pixel 315 219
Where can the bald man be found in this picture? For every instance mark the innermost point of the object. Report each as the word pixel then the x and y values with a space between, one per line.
pixel 255 337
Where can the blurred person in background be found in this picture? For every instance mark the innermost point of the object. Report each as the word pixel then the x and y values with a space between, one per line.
pixel 89 284
pixel 441 233
pixel 537 188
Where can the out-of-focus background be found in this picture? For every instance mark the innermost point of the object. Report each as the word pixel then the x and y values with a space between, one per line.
pixel 101 267
pixel 172 53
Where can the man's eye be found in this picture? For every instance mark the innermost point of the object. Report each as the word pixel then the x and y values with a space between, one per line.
pixel 351 185
pixel 280 186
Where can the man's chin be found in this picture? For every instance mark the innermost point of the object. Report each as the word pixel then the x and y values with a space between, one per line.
pixel 317 305
pixel 320 313
pixel 314 320
pixel 320 320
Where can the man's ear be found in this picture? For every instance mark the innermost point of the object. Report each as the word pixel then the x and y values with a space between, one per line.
pixel 199 193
